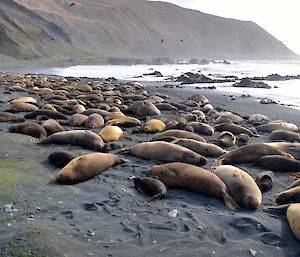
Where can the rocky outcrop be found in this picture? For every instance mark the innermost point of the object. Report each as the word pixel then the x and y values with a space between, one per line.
pixel 277 77
pixel 247 82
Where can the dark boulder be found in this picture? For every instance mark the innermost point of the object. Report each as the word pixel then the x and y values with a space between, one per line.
pixel 247 82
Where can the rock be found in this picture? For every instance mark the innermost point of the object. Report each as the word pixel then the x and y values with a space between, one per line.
pixel 191 78
pixel 247 82
pixel 154 73
pixel 266 100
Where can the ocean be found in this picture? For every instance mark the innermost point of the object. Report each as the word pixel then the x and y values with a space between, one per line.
pixel 286 92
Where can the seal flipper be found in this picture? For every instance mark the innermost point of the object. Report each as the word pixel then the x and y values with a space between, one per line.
pixel 156 198
pixel 230 202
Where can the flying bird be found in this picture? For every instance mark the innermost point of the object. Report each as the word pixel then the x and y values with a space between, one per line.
pixel 181 40
pixel 162 40
pixel 72 4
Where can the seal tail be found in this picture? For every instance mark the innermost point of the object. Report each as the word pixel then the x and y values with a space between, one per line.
pixel 230 202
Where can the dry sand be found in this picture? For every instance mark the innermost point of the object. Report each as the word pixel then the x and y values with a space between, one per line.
pixel 105 216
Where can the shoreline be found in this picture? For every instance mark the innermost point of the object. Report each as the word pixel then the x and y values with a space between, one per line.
pixel 105 216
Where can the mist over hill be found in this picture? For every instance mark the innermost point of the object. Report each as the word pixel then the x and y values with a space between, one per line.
pixel 93 31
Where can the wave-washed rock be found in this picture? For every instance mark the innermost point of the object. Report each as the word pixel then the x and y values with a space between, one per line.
pixel 247 82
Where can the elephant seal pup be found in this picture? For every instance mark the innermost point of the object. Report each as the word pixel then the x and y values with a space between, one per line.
pixel 84 138
pixel 265 181
pixel 234 129
pixel 166 152
pixel 87 166
pixel 179 134
pixel 293 217
pixel 249 153
pixel 202 128
pixel 111 133
pixel 192 178
pixel 277 125
pixel 284 135
pixel 205 149
pixel 52 126
pixel 278 163
pixel 143 108
pixel 20 107
pixel 48 113
pixel 241 186
pixel 226 139
pixel 60 159
pixel 93 121
pixel 289 196
pixel 30 129
pixel 151 186
pixel 154 126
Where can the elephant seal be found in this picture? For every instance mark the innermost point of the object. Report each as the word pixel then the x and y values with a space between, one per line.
pixel 192 178
pixel 21 107
pixel 124 122
pixel 77 120
pixel 52 126
pixel 87 166
pixel 277 125
pixel 205 149
pixel 30 129
pixel 291 148
pixel 295 183
pixel 154 126
pixel 84 138
pixel 289 196
pixel 48 113
pixel 284 135
pixel 114 115
pixel 248 153
pixel 202 128
pixel 93 121
pixel 278 163
pixel 24 99
pixel 166 152
pixel 198 98
pixel 151 186
pixel 60 159
pixel 293 217
pixel 7 116
pixel 265 181
pixel 258 118
pixel 143 108
pixel 111 133
pixel 225 117
pixel 241 186
pixel 179 134
pixel 226 139
pixel 234 129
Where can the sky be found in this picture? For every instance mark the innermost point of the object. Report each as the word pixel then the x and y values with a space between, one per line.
pixel 280 18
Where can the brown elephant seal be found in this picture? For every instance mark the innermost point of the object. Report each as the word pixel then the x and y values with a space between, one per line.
pixel 124 122
pixel 206 108
pixel 7 116
pixel 295 183
pixel 52 126
pixel 84 138
pixel 87 166
pixel 114 115
pixel 226 139
pixel 198 98
pixel 289 196
pixel 234 129
pixel 93 121
pixel 278 163
pixel 111 133
pixel 241 186
pixel 60 159
pixel 154 126
pixel 143 108
pixel 284 135
pixel 151 186
pixel 293 217
pixel 205 149
pixel 277 125
pixel 179 134
pixel 192 178
pixel 242 138
pixel 165 107
pixel 265 181
pixel 47 113
pixel 258 118
pixel 30 129
pixel 90 111
pixel 24 99
pixel 291 148
pixel 202 128
pixel 166 152
pixel 225 117
pixel 248 153
pixel 20 107
pixel 77 120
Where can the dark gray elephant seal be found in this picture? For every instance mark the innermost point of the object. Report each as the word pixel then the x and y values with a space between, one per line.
pixel 278 163
pixel 234 129
pixel 265 181
pixel 60 159
pixel 30 129
pixel 178 134
pixel 285 135
pixel 84 138
pixel 151 186
pixel 289 196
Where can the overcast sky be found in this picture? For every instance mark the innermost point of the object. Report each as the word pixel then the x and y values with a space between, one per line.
pixel 278 17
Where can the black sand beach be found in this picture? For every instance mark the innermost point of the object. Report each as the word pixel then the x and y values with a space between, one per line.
pixel 105 216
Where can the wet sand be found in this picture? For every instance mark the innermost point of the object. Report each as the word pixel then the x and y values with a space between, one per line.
pixel 105 216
